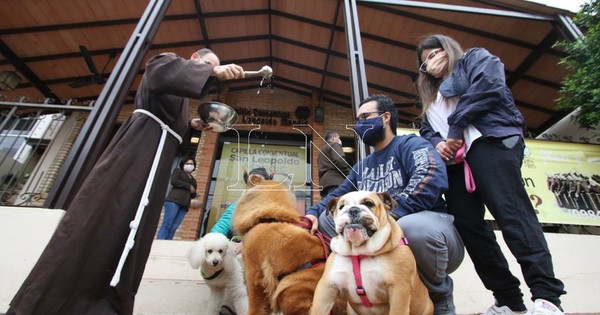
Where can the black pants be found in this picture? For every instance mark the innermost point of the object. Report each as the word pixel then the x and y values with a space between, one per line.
pixel 496 169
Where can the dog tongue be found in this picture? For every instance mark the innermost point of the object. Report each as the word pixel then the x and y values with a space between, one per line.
pixel 354 232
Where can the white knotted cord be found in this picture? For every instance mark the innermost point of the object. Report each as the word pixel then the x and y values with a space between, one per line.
pixel 133 225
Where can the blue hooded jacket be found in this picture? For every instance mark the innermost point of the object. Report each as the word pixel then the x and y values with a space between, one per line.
pixel 408 169
pixel 485 99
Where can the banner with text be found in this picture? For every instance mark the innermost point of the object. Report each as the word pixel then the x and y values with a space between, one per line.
pixel 237 157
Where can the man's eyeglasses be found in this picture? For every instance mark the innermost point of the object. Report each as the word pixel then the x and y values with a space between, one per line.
pixel 423 67
pixel 366 115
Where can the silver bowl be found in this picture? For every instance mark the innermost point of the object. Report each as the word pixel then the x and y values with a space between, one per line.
pixel 219 116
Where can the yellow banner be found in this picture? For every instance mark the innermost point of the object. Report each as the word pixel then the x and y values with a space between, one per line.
pixel 562 180
pixel 237 157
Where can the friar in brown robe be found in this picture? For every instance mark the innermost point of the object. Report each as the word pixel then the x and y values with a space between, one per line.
pixel 73 274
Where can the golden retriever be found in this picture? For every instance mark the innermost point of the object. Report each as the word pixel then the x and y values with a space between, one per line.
pixel 283 261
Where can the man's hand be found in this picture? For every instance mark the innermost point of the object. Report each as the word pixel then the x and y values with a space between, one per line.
pixel 200 125
pixel 315 223
pixel 444 150
pixel 228 72
pixel 454 144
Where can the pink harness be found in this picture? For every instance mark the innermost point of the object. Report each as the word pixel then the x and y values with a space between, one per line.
pixel 358 278
pixel 469 181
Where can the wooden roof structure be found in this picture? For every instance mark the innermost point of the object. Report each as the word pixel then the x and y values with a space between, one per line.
pixel 304 41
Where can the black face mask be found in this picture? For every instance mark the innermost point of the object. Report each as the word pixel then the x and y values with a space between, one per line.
pixel 371 130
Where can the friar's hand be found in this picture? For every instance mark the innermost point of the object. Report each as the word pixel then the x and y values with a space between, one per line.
pixel 228 72
pixel 200 125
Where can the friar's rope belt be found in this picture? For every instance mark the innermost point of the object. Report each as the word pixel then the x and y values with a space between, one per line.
pixel 133 225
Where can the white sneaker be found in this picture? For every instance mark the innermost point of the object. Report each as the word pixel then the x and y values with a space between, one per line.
pixel 543 307
pixel 501 310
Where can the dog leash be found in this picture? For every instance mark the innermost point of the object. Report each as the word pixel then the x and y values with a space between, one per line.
pixel 308 265
pixel 325 240
pixel 469 180
pixel 360 290
pixel 305 223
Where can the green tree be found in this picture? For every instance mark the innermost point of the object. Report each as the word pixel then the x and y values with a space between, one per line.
pixel 581 87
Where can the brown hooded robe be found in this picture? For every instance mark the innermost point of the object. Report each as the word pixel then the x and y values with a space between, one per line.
pixel 72 275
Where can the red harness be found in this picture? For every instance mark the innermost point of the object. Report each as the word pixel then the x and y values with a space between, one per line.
pixel 358 278
pixel 325 240
pixel 305 224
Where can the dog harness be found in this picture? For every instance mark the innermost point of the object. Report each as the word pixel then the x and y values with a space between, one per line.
pixel 306 223
pixel 360 290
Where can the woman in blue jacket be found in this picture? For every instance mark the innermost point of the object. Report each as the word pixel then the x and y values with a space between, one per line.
pixel 467 107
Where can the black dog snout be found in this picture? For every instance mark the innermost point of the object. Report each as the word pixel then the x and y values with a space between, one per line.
pixel 215 262
pixel 353 211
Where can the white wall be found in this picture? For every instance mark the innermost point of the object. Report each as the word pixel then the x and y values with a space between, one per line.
pixel 24 232
pixel 170 285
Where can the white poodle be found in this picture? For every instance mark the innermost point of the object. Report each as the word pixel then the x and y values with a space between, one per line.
pixel 215 255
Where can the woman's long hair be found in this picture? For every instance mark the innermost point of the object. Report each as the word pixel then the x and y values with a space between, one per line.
pixel 427 86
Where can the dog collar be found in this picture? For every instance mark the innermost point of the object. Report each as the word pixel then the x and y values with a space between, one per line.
pixel 214 275
pixel 268 220
pixel 308 265
pixel 360 290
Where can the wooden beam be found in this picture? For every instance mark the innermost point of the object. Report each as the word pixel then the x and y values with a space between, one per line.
pixel 201 23
pixel 26 71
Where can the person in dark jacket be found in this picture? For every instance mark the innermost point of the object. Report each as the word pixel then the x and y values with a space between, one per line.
pixel 407 168
pixel 73 274
pixel 178 200
pixel 466 103
pixel 333 167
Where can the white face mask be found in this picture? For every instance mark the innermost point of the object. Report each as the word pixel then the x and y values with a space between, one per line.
pixel 437 65
pixel 188 168
pixel 339 142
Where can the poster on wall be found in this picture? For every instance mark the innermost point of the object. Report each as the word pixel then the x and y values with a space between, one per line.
pixel 561 179
pixel 284 161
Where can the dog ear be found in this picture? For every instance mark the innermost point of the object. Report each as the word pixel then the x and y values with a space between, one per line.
pixel 254 180
pixel 245 175
pixel 195 254
pixel 387 200
pixel 331 205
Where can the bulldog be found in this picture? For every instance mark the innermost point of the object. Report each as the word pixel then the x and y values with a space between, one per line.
pixel 370 266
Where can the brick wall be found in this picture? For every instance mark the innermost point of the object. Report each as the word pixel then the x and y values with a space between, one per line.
pixel 336 117
pixel 205 162
pixel 61 156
